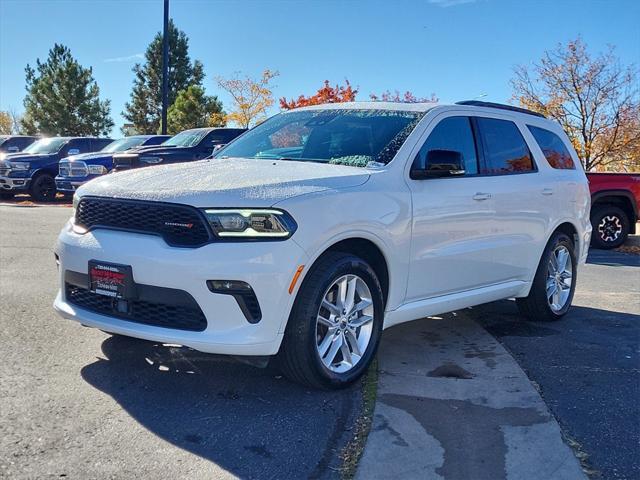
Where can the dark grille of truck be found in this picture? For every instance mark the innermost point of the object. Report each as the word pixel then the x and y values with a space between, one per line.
pixel 178 225
pixel 125 162
pixel 186 316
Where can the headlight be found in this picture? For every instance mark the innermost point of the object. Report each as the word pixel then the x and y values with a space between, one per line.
pixel 76 201
pixel 97 169
pixel 19 165
pixel 251 224
pixel 151 160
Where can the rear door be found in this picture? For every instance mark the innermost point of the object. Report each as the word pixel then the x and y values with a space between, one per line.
pixel 452 244
pixel 524 197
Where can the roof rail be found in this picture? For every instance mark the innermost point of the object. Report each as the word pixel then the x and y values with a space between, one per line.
pixel 478 103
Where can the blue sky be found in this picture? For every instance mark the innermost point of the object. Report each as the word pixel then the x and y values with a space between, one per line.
pixel 457 49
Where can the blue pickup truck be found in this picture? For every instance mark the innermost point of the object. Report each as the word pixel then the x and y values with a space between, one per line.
pixel 194 144
pixel 34 169
pixel 79 169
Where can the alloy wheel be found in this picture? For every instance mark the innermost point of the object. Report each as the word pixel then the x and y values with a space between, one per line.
pixel 559 278
pixel 344 323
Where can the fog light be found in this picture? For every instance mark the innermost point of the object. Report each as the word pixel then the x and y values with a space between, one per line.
pixel 243 294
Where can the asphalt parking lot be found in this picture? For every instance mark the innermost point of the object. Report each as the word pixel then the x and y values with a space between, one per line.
pixel 78 403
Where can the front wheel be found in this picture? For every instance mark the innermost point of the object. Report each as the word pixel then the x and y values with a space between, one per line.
pixel 335 324
pixel 43 188
pixel 554 283
pixel 7 195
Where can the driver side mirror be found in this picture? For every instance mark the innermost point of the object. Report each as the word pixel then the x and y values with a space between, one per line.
pixel 440 163
pixel 73 151
pixel 13 149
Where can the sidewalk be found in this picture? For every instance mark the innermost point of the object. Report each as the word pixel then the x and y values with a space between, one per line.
pixel 453 404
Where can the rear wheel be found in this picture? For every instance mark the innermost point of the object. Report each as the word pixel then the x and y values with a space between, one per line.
pixel 43 188
pixel 335 325
pixel 610 226
pixel 554 283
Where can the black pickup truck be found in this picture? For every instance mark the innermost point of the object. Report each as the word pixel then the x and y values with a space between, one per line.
pixel 186 146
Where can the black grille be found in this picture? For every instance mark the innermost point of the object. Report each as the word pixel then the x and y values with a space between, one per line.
pixel 181 317
pixel 179 225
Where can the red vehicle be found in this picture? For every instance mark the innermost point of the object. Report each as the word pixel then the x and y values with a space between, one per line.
pixel 615 198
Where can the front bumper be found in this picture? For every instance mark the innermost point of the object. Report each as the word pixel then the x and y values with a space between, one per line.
pixel 267 266
pixel 63 184
pixel 14 184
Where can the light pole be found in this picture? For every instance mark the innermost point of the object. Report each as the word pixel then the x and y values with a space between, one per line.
pixel 165 67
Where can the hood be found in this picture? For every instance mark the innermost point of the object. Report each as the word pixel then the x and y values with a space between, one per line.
pixel 29 157
pixel 154 149
pixel 89 156
pixel 226 183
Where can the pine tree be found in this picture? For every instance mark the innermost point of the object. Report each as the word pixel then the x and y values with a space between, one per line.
pixel 145 108
pixel 194 109
pixel 63 98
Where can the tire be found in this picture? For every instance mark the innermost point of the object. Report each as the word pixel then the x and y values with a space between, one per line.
pixel 610 227
pixel 305 336
pixel 43 188
pixel 7 195
pixel 538 306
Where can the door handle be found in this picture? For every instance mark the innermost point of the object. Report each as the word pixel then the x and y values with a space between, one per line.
pixel 547 191
pixel 481 196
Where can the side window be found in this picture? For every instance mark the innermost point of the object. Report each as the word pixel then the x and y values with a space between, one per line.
pixel 505 150
pixel 554 149
pixel 77 145
pixel 452 133
pixel 100 143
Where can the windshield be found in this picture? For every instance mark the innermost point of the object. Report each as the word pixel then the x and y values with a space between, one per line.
pixel 3 139
pixel 188 138
pixel 124 144
pixel 46 145
pixel 344 137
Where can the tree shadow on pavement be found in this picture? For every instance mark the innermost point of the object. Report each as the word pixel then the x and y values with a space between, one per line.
pixel 249 421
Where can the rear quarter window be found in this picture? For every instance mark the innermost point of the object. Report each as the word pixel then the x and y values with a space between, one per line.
pixel 505 150
pixel 553 148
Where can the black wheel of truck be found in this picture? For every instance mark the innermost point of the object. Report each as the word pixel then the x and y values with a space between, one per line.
pixel 7 195
pixel 43 188
pixel 610 227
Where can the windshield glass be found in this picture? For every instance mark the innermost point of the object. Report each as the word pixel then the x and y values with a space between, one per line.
pixel 344 137
pixel 3 139
pixel 46 145
pixel 123 144
pixel 188 138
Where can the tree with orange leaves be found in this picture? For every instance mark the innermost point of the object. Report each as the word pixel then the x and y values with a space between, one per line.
pixel 251 98
pixel 594 98
pixel 325 94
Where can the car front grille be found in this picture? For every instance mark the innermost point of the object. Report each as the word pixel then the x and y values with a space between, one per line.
pixel 125 161
pixel 178 225
pixel 184 314
pixel 73 169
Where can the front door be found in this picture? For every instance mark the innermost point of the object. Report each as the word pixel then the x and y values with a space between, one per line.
pixel 452 246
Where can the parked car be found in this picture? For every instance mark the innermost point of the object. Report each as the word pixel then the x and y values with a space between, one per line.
pixel 14 143
pixel 614 207
pixel 34 169
pixel 79 169
pixel 318 228
pixel 186 146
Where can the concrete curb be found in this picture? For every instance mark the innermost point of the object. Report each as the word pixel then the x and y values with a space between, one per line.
pixel 453 404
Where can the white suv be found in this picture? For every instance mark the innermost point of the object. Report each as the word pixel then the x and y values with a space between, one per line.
pixel 317 229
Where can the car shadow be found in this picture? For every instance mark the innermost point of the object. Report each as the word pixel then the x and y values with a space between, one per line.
pixel 249 421
pixel 611 258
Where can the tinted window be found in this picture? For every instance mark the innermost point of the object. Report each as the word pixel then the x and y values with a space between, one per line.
pixel 505 150
pixel 80 144
pixel 553 148
pixel 453 133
